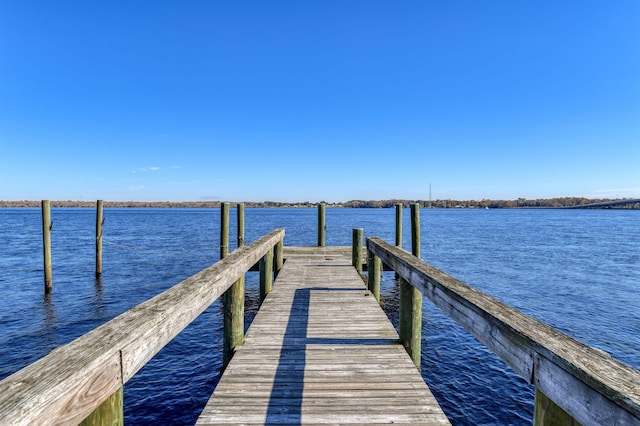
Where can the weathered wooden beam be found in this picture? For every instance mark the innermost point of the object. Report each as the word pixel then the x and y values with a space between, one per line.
pixel 592 387
pixel 67 385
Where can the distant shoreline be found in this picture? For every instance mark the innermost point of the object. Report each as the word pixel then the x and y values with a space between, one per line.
pixel 518 203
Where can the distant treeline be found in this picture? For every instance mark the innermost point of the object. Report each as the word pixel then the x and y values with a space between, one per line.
pixel 481 204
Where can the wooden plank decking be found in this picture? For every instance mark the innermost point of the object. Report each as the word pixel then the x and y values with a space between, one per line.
pixel 321 351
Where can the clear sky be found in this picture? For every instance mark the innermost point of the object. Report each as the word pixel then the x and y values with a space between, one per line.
pixel 319 100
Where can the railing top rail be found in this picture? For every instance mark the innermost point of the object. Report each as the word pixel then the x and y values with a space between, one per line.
pixel 65 386
pixel 587 383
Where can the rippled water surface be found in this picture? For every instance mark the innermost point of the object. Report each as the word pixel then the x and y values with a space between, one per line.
pixel 578 270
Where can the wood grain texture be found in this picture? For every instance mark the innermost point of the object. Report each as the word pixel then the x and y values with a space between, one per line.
pixel 321 351
pixel 587 383
pixel 68 384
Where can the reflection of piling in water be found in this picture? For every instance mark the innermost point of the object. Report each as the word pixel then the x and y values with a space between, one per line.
pixel 49 311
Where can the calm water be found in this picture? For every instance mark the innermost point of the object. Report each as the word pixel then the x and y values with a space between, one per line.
pixel 576 270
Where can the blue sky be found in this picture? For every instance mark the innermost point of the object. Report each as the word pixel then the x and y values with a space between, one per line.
pixel 319 100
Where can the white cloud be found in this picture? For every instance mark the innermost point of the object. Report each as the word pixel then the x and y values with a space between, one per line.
pixel 145 169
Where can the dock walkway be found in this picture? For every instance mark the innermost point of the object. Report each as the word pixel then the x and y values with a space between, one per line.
pixel 321 351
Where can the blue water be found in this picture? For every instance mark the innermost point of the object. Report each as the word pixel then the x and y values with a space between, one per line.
pixel 577 270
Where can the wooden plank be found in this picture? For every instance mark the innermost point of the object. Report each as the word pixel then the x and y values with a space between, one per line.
pixel 588 384
pixel 321 351
pixel 68 384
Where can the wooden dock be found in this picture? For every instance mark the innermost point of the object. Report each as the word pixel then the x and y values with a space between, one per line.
pixel 321 351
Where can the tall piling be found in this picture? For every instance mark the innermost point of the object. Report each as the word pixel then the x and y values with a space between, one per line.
pixel 99 224
pixel 411 299
pixel 47 225
pixel 321 225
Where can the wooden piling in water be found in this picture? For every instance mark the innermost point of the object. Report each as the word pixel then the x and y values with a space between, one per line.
pixel 321 225
pixel 415 229
pixel 99 223
pixel 240 222
pixel 224 230
pixel 399 225
pixel 411 299
pixel 356 249
pixel 46 244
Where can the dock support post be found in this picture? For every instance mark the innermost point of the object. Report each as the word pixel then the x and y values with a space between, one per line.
pixel 110 412
pixel 46 244
pixel 99 223
pixel 374 265
pixel 233 298
pixel 321 225
pixel 411 299
pixel 356 249
pixel 266 274
pixel 278 258
pixel 548 413
pixel 398 229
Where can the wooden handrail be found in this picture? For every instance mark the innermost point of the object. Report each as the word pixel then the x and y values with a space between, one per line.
pixel 67 385
pixel 587 383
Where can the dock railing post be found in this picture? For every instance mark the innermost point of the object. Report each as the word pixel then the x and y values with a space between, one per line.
pixel 233 298
pixel 356 249
pixel 99 223
pixel 321 225
pixel 374 265
pixel 548 413
pixel 411 299
pixel 110 412
pixel 278 258
pixel 46 244
pixel 266 274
